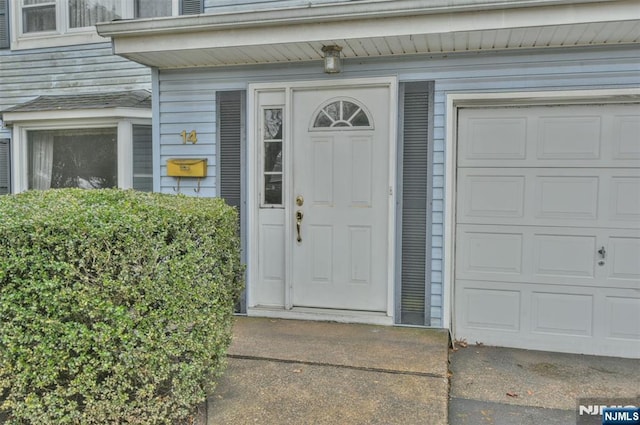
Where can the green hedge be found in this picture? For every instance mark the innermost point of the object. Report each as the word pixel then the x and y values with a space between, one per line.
pixel 115 306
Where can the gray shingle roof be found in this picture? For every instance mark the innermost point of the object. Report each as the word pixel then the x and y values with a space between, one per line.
pixel 123 99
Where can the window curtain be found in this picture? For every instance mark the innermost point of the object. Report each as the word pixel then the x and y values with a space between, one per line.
pixel 41 159
pixel 152 8
pixel 85 13
pixel 38 15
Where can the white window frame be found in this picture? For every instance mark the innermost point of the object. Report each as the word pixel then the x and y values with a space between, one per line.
pixel 63 35
pixel 124 122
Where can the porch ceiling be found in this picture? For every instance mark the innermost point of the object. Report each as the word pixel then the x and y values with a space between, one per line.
pixel 294 35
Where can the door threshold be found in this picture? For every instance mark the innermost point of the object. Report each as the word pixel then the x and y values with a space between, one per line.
pixel 323 314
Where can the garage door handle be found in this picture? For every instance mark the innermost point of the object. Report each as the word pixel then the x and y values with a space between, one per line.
pixel 602 253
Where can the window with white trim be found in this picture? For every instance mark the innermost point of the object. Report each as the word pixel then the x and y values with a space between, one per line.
pixel 88 154
pixel 83 157
pixel 50 23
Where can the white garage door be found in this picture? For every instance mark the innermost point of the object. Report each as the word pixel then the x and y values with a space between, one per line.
pixel 548 228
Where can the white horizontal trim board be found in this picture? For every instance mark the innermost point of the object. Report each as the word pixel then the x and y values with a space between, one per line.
pixel 44 117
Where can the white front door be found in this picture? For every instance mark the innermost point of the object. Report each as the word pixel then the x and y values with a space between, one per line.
pixel 340 198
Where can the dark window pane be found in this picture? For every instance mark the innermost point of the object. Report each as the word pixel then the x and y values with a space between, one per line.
pixel 152 8
pixel 348 109
pixel 273 123
pixel 142 158
pixel 39 18
pixel 333 110
pixel 86 13
pixel 84 158
pixel 273 189
pixel 273 156
pixel 322 120
pixel 360 120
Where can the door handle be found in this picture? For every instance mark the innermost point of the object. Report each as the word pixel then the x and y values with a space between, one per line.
pixel 299 216
pixel 602 253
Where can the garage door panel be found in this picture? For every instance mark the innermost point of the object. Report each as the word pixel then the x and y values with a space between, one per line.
pixel 566 197
pixel 625 137
pixel 503 312
pixel 573 197
pixel 569 137
pixel 558 136
pixel 562 313
pixel 549 255
pixel 623 318
pixel 491 138
pixel 551 259
pixel 624 262
pixel 624 198
pixel 562 318
pixel 493 196
pixel 492 252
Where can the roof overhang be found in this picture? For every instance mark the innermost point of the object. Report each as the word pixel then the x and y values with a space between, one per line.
pixel 112 105
pixel 372 28
pixel 11 118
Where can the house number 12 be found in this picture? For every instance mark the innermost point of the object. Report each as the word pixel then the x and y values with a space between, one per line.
pixel 189 137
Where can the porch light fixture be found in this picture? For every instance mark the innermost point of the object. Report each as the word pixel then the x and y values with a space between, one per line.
pixel 332 63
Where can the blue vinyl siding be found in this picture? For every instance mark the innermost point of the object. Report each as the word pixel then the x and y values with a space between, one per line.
pixel 187 105
pixel 187 101
pixel 26 74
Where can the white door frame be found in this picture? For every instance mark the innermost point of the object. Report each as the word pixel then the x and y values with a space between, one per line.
pixel 457 100
pixel 253 194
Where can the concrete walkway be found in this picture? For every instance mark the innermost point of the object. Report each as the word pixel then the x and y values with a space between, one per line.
pixel 297 372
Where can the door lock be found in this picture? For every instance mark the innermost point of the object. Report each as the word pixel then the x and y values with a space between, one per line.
pixel 299 200
pixel 603 254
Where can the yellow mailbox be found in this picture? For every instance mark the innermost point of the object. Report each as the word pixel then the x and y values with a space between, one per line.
pixel 187 167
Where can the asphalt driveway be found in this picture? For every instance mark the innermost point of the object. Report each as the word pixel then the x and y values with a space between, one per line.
pixel 492 385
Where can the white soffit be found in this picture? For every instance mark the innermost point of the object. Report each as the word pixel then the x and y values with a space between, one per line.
pixel 298 34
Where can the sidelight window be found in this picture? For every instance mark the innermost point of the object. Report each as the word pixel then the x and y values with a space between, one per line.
pixel 272 156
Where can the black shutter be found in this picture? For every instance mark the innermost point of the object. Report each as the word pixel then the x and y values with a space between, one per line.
pixel 230 132
pixel 414 232
pixel 142 158
pixel 4 24
pixel 231 138
pixel 4 167
pixel 191 7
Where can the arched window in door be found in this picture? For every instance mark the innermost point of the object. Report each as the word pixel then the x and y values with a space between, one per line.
pixel 344 113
